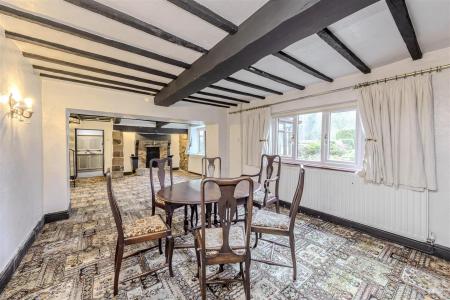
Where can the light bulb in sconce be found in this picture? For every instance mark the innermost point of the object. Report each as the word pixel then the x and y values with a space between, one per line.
pixel 20 109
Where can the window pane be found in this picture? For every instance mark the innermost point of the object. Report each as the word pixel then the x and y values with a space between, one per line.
pixel 201 139
pixel 342 136
pixel 309 132
pixel 285 135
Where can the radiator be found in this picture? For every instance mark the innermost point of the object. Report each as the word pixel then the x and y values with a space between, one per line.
pixel 345 195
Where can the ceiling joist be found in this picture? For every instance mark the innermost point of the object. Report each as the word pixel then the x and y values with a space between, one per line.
pixel 88 36
pixel 304 67
pixel 224 89
pixel 152 130
pixel 94 78
pixel 275 78
pixel 94 84
pixel 222 96
pixel 401 17
pixel 211 100
pixel 252 85
pixel 206 14
pixel 86 54
pixel 131 21
pixel 205 103
pixel 91 69
pixel 327 36
pixel 270 29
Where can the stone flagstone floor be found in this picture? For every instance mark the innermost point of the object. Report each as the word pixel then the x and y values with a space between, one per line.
pixel 73 259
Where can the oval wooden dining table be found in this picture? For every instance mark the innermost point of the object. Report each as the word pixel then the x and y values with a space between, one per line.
pixel 189 193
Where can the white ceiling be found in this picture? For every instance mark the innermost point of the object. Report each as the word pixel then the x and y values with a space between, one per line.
pixel 370 33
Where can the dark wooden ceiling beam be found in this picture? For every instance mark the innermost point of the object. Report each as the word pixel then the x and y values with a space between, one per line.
pixel 94 78
pixel 160 124
pixel 205 103
pixel 152 130
pixel 252 85
pixel 91 69
pixel 222 96
pixel 211 100
pixel 206 14
pixel 224 89
pixel 89 36
pixel 304 67
pixel 399 12
pixel 274 78
pixel 94 84
pixel 86 54
pixel 327 36
pixel 270 29
pixel 131 21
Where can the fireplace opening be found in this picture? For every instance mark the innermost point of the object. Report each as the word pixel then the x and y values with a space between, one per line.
pixel 152 152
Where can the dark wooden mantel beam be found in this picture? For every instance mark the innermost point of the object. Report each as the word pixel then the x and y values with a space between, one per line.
pixel 270 29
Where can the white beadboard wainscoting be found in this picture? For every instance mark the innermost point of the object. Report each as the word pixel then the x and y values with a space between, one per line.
pixel 345 195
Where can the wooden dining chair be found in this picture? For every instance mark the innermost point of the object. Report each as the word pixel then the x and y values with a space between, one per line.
pixel 160 164
pixel 142 230
pixel 265 197
pixel 228 243
pixel 274 223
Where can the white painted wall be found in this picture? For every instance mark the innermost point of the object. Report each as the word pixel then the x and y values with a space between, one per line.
pixel 439 209
pixel 61 98
pixel 129 140
pixel 20 154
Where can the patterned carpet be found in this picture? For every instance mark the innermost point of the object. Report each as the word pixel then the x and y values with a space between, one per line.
pixel 73 259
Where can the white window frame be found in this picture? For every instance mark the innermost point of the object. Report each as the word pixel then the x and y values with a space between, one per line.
pixel 326 117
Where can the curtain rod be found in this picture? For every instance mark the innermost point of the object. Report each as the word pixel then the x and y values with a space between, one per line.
pixel 357 86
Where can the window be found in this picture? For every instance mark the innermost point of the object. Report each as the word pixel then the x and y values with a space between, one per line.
pixel 201 141
pixel 329 137
pixel 197 141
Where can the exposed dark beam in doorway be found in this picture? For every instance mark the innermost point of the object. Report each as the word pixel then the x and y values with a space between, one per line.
pixel 160 124
pixel 275 78
pixel 205 103
pixel 152 130
pixel 222 96
pixel 206 14
pixel 270 29
pixel 224 89
pixel 304 67
pixel 94 84
pixel 399 12
pixel 94 78
pixel 252 85
pixel 211 100
pixel 86 54
pixel 327 36
pixel 89 36
pixel 91 69
pixel 131 21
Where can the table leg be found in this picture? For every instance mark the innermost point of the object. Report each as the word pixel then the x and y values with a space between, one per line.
pixel 186 222
pixel 169 215
pixel 208 214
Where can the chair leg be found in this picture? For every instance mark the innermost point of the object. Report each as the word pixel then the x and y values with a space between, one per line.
pixel 153 209
pixel 256 240
pixel 160 246
pixel 294 261
pixel 170 245
pixel 186 223
pixel 197 254
pixel 203 281
pixel 196 215
pixel 277 206
pixel 247 277
pixel 118 264
pixel 215 214
pixel 192 215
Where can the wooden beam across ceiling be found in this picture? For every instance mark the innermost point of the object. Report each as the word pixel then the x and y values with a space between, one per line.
pixel 88 36
pixel 304 67
pixel 205 103
pixel 274 78
pixel 86 54
pixel 131 21
pixel 94 78
pixel 224 89
pixel 95 84
pixel 327 36
pixel 270 29
pixel 252 85
pixel 152 130
pixel 399 12
pixel 91 69
pixel 222 96
pixel 211 100
pixel 206 14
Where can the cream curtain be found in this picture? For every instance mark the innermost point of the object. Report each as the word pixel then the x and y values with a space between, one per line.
pixel 397 118
pixel 255 135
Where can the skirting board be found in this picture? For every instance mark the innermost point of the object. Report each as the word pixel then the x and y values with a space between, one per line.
pixel 436 250
pixel 56 216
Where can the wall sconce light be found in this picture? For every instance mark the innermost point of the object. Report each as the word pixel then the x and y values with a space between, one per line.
pixel 20 109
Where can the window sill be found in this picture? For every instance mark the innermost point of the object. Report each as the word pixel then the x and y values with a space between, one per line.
pixel 319 166
pixel 196 155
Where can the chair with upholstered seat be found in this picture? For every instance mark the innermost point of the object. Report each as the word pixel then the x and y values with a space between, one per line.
pixel 135 231
pixel 229 243
pixel 265 197
pixel 273 223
